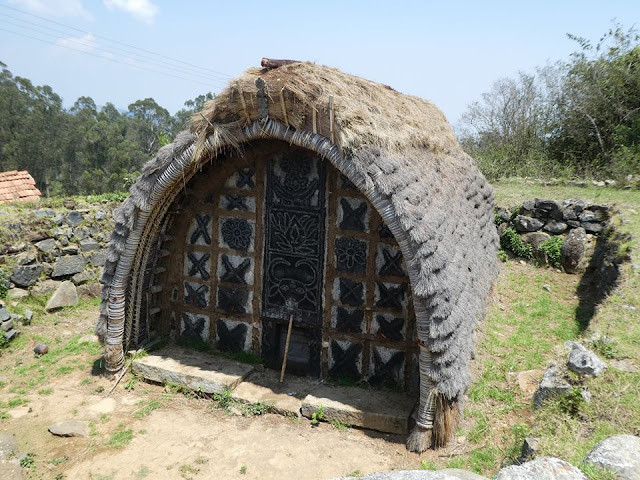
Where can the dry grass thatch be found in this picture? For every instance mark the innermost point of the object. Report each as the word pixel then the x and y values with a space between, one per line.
pixel 365 112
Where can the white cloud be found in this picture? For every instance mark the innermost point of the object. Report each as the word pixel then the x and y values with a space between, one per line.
pixel 84 43
pixel 54 8
pixel 143 10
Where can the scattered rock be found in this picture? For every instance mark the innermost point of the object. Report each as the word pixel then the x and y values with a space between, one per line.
pixel 8 445
pixel 552 384
pixel 535 239
pixel 74 218
pixel 546 288
pixel 40 349
pixel 65 296
pixel 573 250
pixel 100 215
pixel 106 405
pixel 89 244
pixel 6 325
pixel 631 308
pixel 70 250
pixel 68 265
pixel 543 468
pixel 28 316
pixel 619 454
pixel 584 361
pixel 527 224
pixel 18 247
pixel 26 275
pixel 528 205
pixel 44 212
pixel 46 245
pixel 46 286
pixel 529 380
pixel 4 315
pixel 555 227
pixel 90 290
pixel 447 474
pixel 17 293
pixel 70 428
pixel 11 334
pixel 98 259
pixel 82 277
pixel 529 449
pixel 592 227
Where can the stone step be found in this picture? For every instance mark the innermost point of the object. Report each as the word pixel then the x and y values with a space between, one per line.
pixel 373 409
pixel 200 372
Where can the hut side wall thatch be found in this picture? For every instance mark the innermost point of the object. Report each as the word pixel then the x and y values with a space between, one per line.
pixel 428 191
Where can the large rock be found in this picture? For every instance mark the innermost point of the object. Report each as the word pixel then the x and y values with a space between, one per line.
pixel 555 227
pixel 70 428
pixel 89 290
pixel 535 239
pixel 89 244
pixel 573 250
pixel 68 265
pixel 552 384
pixel 527 224
pixel 584 361
pixel 551 208
pixel 46 245
pixel 46 286
pixel 592 227
pixel 26 275
pixel 65 296
pixel 619 454
pixel 98 259
pixel 74 218
pixel 543 468
pixel 446 474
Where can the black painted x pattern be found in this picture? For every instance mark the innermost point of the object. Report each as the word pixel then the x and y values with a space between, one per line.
pixel 245 177
pixel 386 373
pixel 392 263
pixel 351 292
pixel 196 295
pixel 390 329
pixel 231 339
pixel 234 274
pixel 198 265
pixel 202 227
pixel 231 300
pixel 345 362
pixel 353 218
pixel 349 321
pixel 193 328
pixel 236 202
pixel 391 297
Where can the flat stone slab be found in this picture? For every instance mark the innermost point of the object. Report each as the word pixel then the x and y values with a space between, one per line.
pixel 71 428
pixel 265 387
pixel 197 371
pixel 376 410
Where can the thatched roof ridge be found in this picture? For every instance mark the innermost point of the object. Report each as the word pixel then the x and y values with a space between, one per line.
pixel 18 186
pixel 365 112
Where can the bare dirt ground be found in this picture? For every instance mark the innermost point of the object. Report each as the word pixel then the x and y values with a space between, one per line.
pixel 150 432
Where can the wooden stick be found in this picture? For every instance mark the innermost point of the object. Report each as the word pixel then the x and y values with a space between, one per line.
pixel 331 117
pixel 286 349
pixel 271 63
pixel 284 107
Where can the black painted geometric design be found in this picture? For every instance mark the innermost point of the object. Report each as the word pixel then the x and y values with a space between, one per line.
pixel 294 232
pixel 231 339
pixel 196 294
pixel 193 328
pixel 384 231
pixel 391 297
pixel 245 177
pixel 347 321
pixel 353 218
pixel 296 188
pixel 232 301
pixel 351 292
pixel 390 329
pixel 237 233
pixel 292 284
pixel 345 362
pixel 233 274
pixel 347 184
pixel 201 230
pixel 392 263
pixel 236 202
pixel 199 265
pixel 387 373
pixel 351 255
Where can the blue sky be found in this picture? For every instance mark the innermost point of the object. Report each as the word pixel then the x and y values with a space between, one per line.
pixel 448 52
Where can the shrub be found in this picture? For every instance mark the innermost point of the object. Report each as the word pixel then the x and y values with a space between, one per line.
pixel 553 248
pixel 510 240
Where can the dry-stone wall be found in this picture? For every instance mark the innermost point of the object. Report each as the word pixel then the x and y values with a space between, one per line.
pixel 44 248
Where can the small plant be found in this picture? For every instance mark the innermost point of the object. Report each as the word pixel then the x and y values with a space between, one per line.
pixel 131 383
pixel 4 282
pixel 27 461
pixel 243 469
pixel 553 248
pixel 428 465
pixel 572 402
pixel 606 347
pixel 340 426
pixel 224 399
pixel 510 240
pixel 497 219
pixel 502 255
pixel 317 416
pixel 45 391
pixel 258 408
pixel 57 461
pixel 147 409
pixel 120 438
pixel 355 473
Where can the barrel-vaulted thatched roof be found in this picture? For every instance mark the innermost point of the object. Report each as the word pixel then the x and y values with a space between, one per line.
pixel 399 150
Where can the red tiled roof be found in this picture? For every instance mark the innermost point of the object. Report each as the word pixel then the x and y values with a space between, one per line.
pixel 17 186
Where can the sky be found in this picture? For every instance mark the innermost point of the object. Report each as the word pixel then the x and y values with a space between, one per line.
pixel 448 52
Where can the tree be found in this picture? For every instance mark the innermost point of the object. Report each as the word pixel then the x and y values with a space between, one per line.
pixel 183 116
pixel 151 122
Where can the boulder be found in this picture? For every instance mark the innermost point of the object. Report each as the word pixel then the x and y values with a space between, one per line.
pixel 68 265
pixel 527 224
pixel 46 245
pixel 4 315
pixel 592 227
pixel 44 212
pixel 573 250
pixel 28 316
pixel 550 207
pixel 98 259
pixel 89 244
pixel 26 275
pixel 619 454
pixel 584 361
pixel 74 218
pixel 529 449
pixel 82 277
pixel 552 384
pixel 543 468
pixel 17 293
pixel 70 250
pixel 70 428
pixel 535 239
pixel 100 215
pixel 528 205
pixel 588 216
pixel 46 286
pixel 27 258
pixel 555 227
pixel 89 290
pixel 446 474
pixel 65 296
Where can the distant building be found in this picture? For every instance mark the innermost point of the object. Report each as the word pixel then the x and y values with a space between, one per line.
pixel 18 187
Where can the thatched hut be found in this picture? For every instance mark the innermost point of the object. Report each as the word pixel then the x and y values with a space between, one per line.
pixel 303 192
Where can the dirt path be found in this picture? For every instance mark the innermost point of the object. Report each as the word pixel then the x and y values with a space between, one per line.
pixel 148 432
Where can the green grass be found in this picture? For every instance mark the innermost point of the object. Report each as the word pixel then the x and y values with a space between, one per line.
pixel 148 409
pixel 120 438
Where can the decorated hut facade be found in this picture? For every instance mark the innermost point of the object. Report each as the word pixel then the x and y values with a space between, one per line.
pixel 304 194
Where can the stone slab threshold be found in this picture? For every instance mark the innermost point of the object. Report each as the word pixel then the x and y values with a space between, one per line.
pixel 386 412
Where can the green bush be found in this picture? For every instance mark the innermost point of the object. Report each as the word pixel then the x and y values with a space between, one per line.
pixel 553 248
pixel 510 240
pixel 4 283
